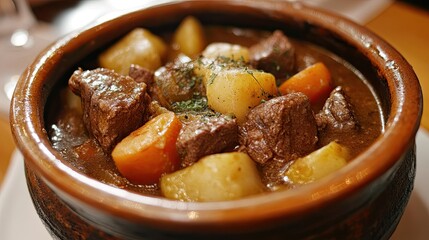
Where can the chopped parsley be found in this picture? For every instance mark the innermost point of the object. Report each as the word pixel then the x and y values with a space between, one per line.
pixel 196 104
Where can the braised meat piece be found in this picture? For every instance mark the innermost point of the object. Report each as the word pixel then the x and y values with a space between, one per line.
pixel 113 105
pixel 278 131
pixel 336 117
pixel 176 82
pixel 141 74
pixel 203 135
pixel 275 55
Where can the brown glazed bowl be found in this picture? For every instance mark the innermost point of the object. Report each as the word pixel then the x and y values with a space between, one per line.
pixel 364 200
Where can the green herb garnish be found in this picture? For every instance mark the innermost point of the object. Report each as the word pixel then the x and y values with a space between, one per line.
pixel 196 104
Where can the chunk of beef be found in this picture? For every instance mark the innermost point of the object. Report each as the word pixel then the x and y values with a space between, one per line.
pixel 203 135
pixel 175 82
pixel 336 117
pixel 275 55
pixel 113 105
pixel 278 131
pixel 141 74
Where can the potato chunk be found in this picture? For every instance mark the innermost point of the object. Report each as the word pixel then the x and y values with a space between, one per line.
pixel 318 164
pixel 139 47
pixel 236 91
pixel 232 51
pixel 189 37
pixel 218 177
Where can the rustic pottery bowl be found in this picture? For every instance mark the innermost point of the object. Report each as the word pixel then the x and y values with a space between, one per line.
pixel 364 200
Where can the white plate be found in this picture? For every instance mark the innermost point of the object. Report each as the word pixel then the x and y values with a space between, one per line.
pixel 19 220
pixel 18 217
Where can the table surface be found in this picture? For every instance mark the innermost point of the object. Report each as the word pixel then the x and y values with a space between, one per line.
pixel 402 25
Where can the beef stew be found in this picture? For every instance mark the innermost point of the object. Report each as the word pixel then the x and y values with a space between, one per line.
pixel 275 131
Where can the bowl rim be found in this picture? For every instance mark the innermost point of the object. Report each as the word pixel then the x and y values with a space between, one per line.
pixel 401 126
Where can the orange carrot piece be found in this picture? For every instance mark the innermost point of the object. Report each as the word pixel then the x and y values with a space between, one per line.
pixel 150 151
pixel 314 81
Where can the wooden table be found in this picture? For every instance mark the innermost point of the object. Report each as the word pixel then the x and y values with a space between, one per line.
pixel 6 147
pixel 407 29
pixel 402 25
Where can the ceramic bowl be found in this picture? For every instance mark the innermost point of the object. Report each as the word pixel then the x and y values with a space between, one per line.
pixel 364 200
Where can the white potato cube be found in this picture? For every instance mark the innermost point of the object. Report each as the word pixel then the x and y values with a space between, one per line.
pixel 139 47
pixel 318 164
pixel 218 177
pixel 227 50
pixel 236 91
pixel 189 38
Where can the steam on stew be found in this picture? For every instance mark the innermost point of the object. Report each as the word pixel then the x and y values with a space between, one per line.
pixel 213 113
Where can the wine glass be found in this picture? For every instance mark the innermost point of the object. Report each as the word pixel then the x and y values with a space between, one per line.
pixel 22 37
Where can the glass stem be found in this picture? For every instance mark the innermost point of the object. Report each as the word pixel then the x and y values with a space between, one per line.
pixel 15 15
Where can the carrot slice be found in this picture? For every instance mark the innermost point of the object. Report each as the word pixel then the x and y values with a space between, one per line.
pixel 314 81
pixel 150 151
